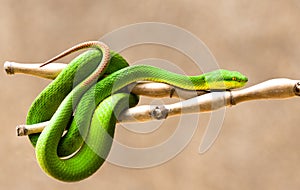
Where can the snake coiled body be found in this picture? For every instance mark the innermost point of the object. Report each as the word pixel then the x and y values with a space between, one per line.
pixel 96 102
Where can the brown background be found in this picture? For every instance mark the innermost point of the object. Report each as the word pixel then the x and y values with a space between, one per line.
pixel 258 147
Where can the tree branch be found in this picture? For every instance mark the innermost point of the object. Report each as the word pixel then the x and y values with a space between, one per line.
pixel 271 89
pixel 194 103
pixel 151 89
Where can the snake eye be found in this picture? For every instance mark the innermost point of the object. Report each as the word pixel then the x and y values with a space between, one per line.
pixel 233 78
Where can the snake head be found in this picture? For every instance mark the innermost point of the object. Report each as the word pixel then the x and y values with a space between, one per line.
pixel 224 79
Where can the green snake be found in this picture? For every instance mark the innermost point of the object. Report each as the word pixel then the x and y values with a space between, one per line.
pixel 86 98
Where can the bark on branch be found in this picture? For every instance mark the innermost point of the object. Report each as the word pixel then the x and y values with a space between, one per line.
pixel 196 101
pixel 272 89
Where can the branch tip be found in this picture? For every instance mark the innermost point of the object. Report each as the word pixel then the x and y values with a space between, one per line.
pixel 8 68
pixel 297 89
pixel 21 130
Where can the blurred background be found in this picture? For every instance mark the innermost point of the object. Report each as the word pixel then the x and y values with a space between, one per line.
pixel 258 147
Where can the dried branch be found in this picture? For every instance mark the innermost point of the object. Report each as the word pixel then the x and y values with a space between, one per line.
pixel 151 89
pixel 271 89
pixel 49 71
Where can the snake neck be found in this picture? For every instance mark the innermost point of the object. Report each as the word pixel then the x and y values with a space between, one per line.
pixel 199 82
pixel 135 73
